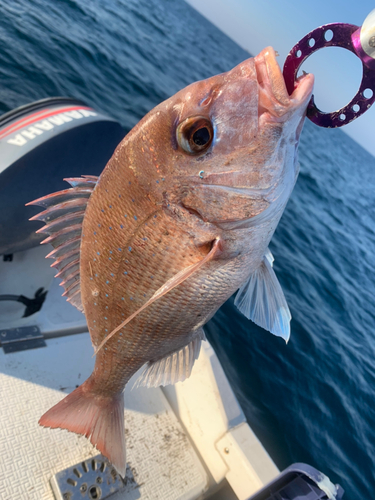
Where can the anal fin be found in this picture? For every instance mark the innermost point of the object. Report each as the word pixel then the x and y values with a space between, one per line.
pixel 262 300
pixel 175 367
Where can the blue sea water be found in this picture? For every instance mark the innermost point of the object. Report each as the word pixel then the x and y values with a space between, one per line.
pixel 311 400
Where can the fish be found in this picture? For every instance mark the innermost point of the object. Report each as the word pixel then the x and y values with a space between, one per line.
pixel 180 219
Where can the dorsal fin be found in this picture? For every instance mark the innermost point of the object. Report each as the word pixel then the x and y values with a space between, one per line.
pixel 63 217
pixel 262 300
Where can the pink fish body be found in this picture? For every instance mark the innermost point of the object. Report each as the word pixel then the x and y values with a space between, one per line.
pixel 180 219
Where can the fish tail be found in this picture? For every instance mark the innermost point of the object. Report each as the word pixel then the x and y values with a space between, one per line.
pixel 97 417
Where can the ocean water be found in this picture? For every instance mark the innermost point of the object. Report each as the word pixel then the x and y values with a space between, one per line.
pixel 312 400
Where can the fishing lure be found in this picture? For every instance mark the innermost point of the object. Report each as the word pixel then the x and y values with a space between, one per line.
pixel 358 39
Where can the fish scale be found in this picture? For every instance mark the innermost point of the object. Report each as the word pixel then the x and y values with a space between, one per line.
pixel 166 250
pixel 159 250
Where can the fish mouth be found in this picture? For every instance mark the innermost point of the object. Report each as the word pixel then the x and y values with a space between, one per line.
pixel 274 100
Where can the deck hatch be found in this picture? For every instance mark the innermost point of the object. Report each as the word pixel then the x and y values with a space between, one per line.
pixel 93 479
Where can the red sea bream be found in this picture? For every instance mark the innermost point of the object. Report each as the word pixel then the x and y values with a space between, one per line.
pixel 180 219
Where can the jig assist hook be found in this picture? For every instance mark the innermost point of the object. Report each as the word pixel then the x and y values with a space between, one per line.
pixel 358 39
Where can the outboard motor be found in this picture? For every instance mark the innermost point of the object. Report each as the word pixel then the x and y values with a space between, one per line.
pixel 40 144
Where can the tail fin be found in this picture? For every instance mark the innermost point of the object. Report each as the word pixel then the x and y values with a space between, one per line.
pixel 99 418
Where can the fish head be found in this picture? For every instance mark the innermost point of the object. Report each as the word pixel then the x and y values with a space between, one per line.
pixel 225 148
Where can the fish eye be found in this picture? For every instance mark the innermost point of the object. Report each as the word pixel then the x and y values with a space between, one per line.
pixel 195 134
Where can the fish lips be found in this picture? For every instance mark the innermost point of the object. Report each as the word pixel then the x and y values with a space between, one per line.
pixel 217 203
pixel 274 101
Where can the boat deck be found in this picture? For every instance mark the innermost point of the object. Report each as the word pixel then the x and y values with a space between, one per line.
pixel 188 441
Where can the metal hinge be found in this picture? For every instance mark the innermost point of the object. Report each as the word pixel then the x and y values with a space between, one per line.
pixel 21 339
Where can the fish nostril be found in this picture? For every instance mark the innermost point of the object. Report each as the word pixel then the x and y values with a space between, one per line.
pixel 206 101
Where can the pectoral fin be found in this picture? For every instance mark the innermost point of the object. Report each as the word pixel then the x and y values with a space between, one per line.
pixel 167 287
pixel 262 300
pixel 176 367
